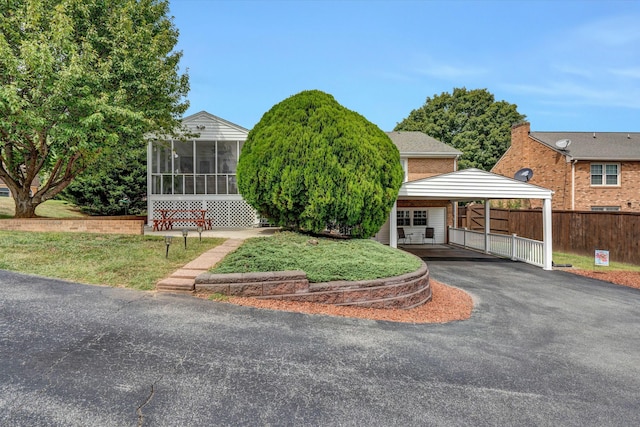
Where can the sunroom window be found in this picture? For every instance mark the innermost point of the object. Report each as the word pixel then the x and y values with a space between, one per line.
pixel 194 167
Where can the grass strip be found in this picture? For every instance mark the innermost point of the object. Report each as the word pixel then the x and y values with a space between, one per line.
pixel 584 262
pixel 132 261
pixel 48 209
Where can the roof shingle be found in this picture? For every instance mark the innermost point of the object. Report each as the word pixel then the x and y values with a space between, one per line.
pixel 595 146
pixel 418 143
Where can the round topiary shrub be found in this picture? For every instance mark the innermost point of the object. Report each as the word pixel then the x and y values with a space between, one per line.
pixel 312 164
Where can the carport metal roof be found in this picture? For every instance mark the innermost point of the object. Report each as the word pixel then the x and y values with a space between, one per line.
pixel 476 184
pixel 472 184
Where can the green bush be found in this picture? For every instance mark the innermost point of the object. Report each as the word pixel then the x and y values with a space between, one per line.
pixel 322 259
pixel 311 164
pixel 103 189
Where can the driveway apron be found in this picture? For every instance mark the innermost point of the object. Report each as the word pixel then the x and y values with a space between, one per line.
pixel 541 348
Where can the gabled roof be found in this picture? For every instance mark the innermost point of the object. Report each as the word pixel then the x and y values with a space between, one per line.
pixel 207 127
pixel 472 184
pixel 206 116
pixel 418 144
pixel 594 145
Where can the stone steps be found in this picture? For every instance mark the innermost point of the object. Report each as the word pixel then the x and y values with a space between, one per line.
pixel 183 280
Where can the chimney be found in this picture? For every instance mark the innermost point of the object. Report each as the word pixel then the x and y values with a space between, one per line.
pixel 520 140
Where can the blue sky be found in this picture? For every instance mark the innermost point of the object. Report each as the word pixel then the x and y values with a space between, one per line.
pixel 567 65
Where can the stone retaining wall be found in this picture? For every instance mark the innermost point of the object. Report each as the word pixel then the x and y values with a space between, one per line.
pixel 405 291
pixel 103 225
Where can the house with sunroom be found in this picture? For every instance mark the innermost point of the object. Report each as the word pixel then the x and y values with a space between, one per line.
pixel 200 174
pixel 588 171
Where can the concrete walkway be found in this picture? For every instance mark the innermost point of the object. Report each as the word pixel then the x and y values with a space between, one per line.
pixel 183 279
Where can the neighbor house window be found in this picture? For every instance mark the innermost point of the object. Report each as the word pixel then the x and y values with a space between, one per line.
pixel 605 208
pixel 605 174
pixel 4 192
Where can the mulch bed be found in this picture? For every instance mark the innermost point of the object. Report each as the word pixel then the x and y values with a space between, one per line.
pixel 447 304
pixel 624 278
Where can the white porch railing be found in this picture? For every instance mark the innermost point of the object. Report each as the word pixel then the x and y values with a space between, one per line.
pixel 514 247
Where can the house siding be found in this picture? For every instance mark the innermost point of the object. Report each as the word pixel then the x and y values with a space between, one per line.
pixel 214 130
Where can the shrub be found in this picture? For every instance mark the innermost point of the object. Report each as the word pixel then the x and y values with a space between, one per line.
pixel 312 164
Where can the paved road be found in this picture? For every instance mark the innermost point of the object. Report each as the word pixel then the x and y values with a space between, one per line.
pixel 542 348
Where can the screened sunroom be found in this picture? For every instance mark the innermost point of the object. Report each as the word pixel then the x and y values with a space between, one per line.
pixel 199 173
pixel 194 167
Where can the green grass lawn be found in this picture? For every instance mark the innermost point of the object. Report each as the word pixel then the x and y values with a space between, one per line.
pixel 588 263
pixel 49 209
pixel 323 259
pixel 136 262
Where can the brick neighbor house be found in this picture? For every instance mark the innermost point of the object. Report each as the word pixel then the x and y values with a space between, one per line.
pixel 588 171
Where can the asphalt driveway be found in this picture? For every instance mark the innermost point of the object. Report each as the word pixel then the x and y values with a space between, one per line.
pixel 542 348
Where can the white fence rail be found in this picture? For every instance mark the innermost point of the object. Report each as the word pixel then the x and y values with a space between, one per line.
pixel 514 247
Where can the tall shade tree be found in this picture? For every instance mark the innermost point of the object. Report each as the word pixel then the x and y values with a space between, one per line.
pixel 79 78
pixel 312 164
pixel 471 121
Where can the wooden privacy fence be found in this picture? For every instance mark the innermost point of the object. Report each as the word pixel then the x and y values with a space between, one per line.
pixel 579 232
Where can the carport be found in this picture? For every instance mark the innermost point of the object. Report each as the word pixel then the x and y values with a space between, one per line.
pixel 474 185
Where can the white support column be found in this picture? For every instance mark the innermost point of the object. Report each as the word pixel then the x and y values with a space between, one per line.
pixel 393 226
pixel 547 234
pixel 487 225
pixel 454 204
pixel 150 162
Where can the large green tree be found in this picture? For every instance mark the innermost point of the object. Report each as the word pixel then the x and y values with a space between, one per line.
pixel 78 79
pixel 471 121
pixel 312 164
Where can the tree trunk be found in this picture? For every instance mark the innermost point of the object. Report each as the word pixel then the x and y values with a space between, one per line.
pixel 25 208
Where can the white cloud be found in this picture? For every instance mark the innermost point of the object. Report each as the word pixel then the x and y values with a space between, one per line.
pixel 585 72
pixel 450 72
pixel 426 65
pixel 615 31
pixel 570 93
pixel 633 73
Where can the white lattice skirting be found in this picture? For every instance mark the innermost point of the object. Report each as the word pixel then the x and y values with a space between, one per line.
pixel 224 213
